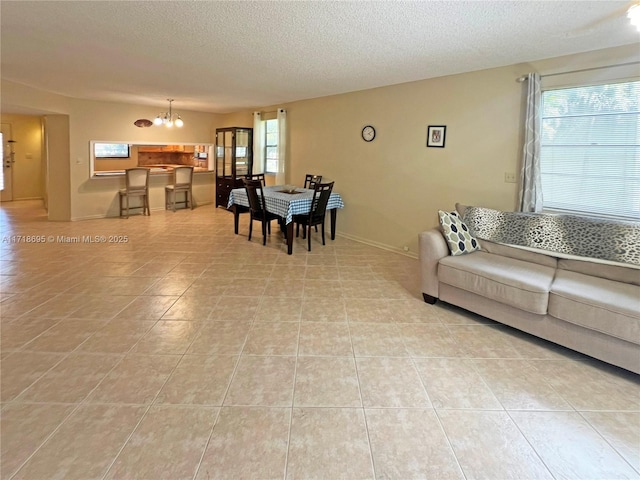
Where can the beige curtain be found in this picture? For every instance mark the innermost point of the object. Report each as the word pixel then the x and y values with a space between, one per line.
pixel 258 143
pixel 282 147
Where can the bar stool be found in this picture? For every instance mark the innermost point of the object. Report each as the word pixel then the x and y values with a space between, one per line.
pixel 137 185
pixel 182 182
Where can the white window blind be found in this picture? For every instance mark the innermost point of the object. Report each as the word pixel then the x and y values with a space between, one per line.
pixel 590 150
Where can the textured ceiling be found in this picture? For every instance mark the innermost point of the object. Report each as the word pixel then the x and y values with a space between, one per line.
pixel 224 56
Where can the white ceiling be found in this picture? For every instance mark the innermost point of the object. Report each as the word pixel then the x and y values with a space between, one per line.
pixel 220 56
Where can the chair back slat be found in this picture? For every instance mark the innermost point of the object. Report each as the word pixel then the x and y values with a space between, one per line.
pixel 310 180
pixel 258 208
pixel 255 195
pixel 322 192
pixel 256 176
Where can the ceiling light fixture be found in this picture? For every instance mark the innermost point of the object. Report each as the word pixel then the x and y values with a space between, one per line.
pixel 633 14
pixel 166 118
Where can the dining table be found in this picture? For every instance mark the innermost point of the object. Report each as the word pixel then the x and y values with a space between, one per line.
pixel 285 202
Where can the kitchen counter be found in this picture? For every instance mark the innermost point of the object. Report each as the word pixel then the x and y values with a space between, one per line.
pixel 157 169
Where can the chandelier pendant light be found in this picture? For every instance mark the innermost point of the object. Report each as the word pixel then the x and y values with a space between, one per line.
pixel 166 118
pixel 633 14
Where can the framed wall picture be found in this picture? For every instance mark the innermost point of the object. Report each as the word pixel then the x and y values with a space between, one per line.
pixel 435 135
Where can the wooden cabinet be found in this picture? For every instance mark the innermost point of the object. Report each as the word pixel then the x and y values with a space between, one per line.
pixel 165 148
pixel 149 149
pixel 234 160
pixel 223 189
pixel 173 148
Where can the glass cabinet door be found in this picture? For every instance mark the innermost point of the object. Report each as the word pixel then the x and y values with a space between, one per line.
pixel 228 154
pixel 234 152
pixel 219 153
pixel 242 152
pixel 233 159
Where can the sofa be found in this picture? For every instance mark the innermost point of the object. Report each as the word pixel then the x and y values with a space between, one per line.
pixel 585 304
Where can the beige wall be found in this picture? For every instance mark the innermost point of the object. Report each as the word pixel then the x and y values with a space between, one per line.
pixel 27 169
pixel 107 121
pixel 105 164
pixel 393 186
pixel 237 119
pixel 58 184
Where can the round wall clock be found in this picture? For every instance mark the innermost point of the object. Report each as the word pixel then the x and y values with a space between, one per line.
pixel 368 133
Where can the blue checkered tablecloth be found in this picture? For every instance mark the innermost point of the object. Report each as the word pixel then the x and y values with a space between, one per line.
pixel 285 205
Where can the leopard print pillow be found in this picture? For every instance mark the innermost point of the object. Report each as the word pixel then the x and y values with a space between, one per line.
pixel 603 239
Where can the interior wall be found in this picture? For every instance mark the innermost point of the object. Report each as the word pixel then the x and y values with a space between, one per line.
pixel 27 169
pixel 56 129
pixel 114 122
pixel 106 121
pixel 394 186
pixel 21 99
pixel 236 119
pixel 44 181
pixel 242 119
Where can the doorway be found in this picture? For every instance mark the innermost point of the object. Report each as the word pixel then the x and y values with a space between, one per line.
pixel 8 161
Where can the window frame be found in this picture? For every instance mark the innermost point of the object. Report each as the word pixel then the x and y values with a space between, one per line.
pixel 267 146
pixel 628 184
pixel 99 154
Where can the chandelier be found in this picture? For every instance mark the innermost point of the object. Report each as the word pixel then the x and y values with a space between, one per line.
pixel 166 118
pixel 633 14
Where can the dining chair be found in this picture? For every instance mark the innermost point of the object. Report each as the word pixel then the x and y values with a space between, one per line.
pixel 182 183
pixel 311 180
pixel 257 176
pixel 315 217
pixel 257 208
pixel 136 185
pixel 240 209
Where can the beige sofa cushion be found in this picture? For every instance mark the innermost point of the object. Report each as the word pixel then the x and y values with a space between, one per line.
pixel 611 272
pixel 597 303
pixel 507 280
pixel 519 253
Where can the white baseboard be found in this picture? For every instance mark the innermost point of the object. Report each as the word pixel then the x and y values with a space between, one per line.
pixel 94 217
pixel 378 245
pixel 26 198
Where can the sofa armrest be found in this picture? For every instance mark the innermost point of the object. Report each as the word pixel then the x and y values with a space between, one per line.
pixel 433 247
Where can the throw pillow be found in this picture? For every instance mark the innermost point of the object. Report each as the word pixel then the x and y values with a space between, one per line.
pixel 457 234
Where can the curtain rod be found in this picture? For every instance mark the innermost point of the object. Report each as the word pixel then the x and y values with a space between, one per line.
pixel 524 77
pixel 272 111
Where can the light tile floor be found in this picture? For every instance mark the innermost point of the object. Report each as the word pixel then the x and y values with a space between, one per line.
pixel 185 351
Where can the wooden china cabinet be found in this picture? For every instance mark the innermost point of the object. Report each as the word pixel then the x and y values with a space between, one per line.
pixel 234 160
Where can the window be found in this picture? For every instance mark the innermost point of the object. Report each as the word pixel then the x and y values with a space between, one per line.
pixel 112 150
pixel 271 145
pixel 590 150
